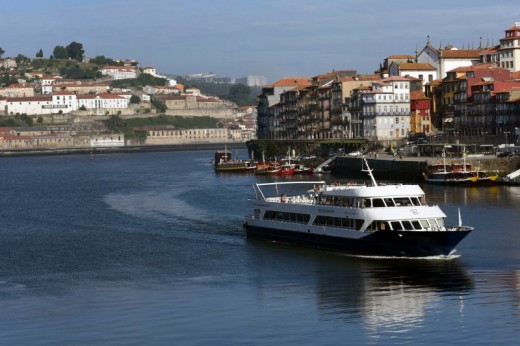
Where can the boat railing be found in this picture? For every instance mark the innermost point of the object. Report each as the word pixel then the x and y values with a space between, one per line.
pixel 279 186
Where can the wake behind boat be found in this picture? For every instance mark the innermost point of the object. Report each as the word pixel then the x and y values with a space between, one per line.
pixel 376 220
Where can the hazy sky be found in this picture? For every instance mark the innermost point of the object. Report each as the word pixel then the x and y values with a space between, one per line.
pixel 235 38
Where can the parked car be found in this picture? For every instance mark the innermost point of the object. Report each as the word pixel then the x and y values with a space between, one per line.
pixel 505 154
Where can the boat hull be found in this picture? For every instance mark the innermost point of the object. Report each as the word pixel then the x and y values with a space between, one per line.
pixel 415 244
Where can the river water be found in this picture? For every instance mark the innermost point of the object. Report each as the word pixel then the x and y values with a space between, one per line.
pixel 148 249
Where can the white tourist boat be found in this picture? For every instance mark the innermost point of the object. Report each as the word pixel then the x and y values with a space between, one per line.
pixel 376 220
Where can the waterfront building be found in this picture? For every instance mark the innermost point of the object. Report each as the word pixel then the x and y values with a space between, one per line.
pixel 509 50
pixel 420 113
pixel 167 135
pixel 107 140
pixel 426 73
pixel 341 118
pixel 384 68
pixel 456 89
pixel 447 59
pixel 383 108
pixel 270 96
pixel 493 109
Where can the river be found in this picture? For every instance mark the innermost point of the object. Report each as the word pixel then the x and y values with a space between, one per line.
pixel 148 249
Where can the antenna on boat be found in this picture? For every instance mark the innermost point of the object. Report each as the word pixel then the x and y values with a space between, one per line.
pixel 368 170
pixel 460 219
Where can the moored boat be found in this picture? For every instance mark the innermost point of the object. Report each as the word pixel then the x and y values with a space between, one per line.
pixel 459 174
pixel 223 162
pixel 376 220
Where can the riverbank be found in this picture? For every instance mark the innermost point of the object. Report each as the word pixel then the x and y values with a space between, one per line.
pixel 125 149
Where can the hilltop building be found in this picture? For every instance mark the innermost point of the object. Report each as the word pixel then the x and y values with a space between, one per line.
pixel 252 81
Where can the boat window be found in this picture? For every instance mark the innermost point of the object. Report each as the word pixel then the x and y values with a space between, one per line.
pixel 348 202
pixel 379 226
pixel 407 225
pixel 338 201
pixel 424 223
pixel 415 201
pixel 358 224
pixel 433 223
pixel 389 202
pixel 416 224
pixel 396 225
pixel 367 203
pixel 440 222
pixel 378 203
pixel 402 201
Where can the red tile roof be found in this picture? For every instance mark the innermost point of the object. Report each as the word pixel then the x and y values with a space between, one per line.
pixel 460 53
pixel 416 66
pixel 286 82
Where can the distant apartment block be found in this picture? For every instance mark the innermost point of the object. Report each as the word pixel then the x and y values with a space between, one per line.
pixel 252 81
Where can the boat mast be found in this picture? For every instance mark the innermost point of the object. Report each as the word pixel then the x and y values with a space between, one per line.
pixel 368 170
pixel 444 158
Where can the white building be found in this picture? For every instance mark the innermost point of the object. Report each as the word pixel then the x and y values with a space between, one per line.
pixel 425 72
pixel 386 109
pixel 109 140
pixel 62 102
pixel 509 50
pixel 119 72
pixel 150 70
pixel 252 80
pixel 447 59
pixel 103 101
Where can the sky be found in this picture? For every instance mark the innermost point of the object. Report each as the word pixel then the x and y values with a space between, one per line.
pixel 236 38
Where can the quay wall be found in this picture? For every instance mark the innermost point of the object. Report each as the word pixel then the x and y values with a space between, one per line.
pixel 411 169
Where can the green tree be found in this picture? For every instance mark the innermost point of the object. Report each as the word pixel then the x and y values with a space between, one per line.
pixel 240 94
pixel 99 60
pixel 2 52
pixel 115 123
pixel 22 59
pixel 75 51
pixel 39 54
pixel 59 52
pixel 135 99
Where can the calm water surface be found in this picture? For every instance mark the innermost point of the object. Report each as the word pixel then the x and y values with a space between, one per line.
pixel 148 248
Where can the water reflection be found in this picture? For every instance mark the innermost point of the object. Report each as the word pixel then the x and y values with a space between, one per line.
pixel 496 196
pixel 383 295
